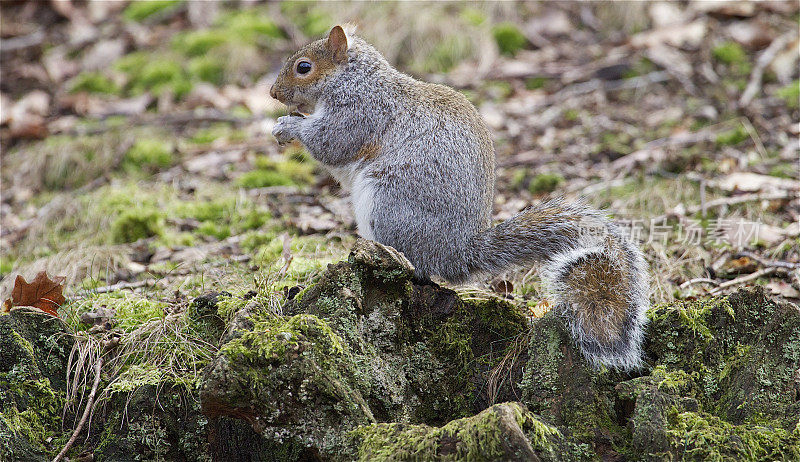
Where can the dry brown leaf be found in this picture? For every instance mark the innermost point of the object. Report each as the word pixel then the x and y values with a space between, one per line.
pixel 783 288
pixel 42 293
pixel 743 265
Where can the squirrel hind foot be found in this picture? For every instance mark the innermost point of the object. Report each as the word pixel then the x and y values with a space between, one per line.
pixel 603 300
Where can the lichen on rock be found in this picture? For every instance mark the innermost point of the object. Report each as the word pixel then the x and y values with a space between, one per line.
pixel 34 347
pixel 368 363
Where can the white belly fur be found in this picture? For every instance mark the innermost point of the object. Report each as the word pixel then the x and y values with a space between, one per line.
pixel 354 178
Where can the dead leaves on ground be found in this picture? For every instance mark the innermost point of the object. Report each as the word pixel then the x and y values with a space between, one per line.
pixel 41 292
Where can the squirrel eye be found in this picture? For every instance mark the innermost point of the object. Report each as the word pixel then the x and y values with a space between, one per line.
pixel 303 67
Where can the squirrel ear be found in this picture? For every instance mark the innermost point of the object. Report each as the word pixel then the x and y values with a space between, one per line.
pixel 338 43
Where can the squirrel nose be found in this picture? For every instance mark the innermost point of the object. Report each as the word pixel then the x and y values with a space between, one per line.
pixel 272 92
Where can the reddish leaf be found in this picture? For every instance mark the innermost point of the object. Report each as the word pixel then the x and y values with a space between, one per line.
pixel 41 293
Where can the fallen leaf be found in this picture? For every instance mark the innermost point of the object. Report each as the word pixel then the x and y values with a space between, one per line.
pixel 735 8
pixel 688 35
pixel 753 182
pixel 751 34
pixel 26 119
pixel 42 293
pixel 783 288
pixel 743 265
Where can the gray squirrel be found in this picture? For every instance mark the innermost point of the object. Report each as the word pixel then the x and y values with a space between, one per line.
pixel 419 163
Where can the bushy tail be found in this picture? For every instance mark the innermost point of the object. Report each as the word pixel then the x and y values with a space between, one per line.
pixel 596 276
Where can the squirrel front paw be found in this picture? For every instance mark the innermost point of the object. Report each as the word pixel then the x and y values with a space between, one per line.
pixel 286 129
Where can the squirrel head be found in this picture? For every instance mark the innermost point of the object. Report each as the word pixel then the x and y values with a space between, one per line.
pixel 302 78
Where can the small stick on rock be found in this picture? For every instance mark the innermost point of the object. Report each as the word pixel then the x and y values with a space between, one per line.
pixel 743 279
pixel 97 367
pixel 768 263
pixel 699 281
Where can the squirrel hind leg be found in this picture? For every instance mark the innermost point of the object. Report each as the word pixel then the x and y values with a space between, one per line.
pixel 602 294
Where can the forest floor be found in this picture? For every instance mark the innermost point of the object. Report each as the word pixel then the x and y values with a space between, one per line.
pixel 137 155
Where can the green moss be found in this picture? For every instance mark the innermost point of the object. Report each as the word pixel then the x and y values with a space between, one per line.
pixel 729 53
pixel 617 143
pixel 484 436
pixel 473 16
pixel 736 59
pixel 148 154
pixel 208 69
pixel 263 179
pixel 250 26
pixel 6 265
pixel 252 240
pixel 700 436
pixel 93 82
pixel 33 356
pixel 271 338
pixel 132 62
pixel 791 94
pixel 228 305
pixel 732 137
pixel 535 83
pixel 199 42
pixel 786 170
pixel 132 225
pixel 545 183
pixel 571 115
pixel 38 421
pixel 508 38
pixel 313 21
pixel 158 75
pixel 140 10
pixel 212 133
pixel 447 53
pixel 271 173
pixel 216 230
pixel 222 217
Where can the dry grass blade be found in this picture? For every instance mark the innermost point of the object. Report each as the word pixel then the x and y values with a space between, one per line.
pixel 98 365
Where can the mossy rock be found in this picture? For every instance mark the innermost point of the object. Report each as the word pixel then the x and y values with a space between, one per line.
pixel 153 423
pixel 722 384
pixel 369 363
pixel 365 344
pixel 34 348
pixel 505 432
pixel 562 387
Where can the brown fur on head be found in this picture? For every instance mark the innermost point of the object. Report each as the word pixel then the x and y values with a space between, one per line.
pixel 303 76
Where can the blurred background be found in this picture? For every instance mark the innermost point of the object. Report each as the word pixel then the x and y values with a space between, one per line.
pixel 136 151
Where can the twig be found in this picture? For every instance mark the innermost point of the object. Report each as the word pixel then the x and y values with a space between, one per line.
pixel 751 131
pixel 647 152
pixel 183 117
pixel 97 367
pixel 25 41
pixel 286 254
pixel 699 281
pixel 124 285
pixel 622 84
pixel 691 210
pixel 767 263
pixel 743 279
pixel 766 57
